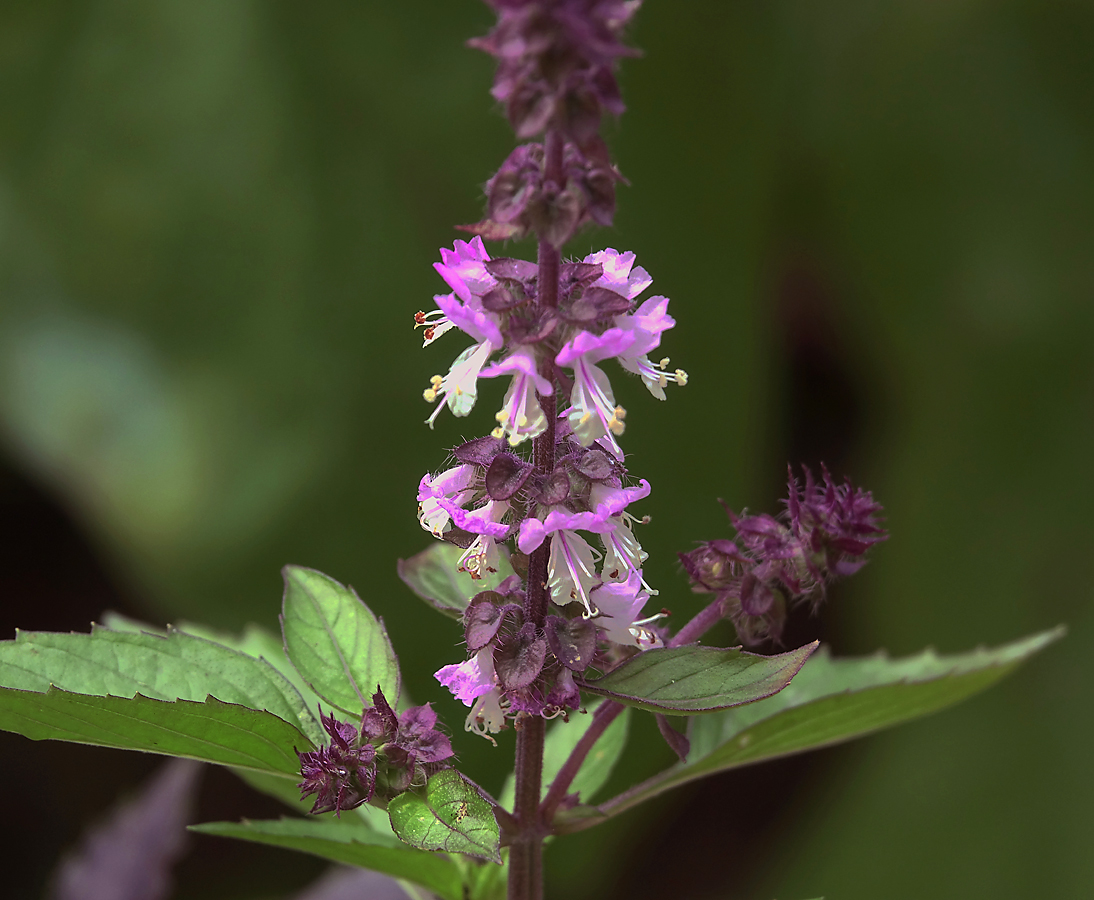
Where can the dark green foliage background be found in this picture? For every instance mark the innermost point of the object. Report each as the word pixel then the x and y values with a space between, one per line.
pixel 216 220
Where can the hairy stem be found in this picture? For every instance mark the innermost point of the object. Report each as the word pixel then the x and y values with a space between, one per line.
pixel 526 852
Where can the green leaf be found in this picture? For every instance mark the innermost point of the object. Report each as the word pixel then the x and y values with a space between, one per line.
pixel 562 737
pixel 489 882
pixel 830 701
pixel 433 576
pixel 449 814
pixel 255 642
pixel 350 841
pixel 212 731
pixel 686 681
pixel 337 645
pixel 162 667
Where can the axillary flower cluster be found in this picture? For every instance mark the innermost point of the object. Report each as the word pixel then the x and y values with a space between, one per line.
pixel 494 494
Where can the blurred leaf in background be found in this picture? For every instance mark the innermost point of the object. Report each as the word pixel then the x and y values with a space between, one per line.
pixel 874 222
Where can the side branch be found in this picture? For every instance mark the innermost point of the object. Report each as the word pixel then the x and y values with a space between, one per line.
pixel 704 620
pixel 605 714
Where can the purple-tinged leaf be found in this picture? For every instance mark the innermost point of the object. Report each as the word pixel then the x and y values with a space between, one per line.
pixel 572 275
pixel 556 489
pixel 130 855
pixel 501 299
pixel 491 230
pixel 595 465
pixel 572 641
pixel 479 452
pixel 691 680
pixel 511 269
pixel 506 476
pixel 519 659
pixel 829 702
pixel 595 304
pixel 538 326
pixel 457 537
pixel 483 618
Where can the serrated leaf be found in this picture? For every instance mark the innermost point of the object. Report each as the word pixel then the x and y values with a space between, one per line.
pixel 212 731
pixel 828 702
pixel 433 576
pixel 686 681
pixel 562 737
pixel 162 667
pixel 450 814
pixel 335 642
pixel 349 841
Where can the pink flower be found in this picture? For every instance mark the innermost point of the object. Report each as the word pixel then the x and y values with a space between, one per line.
pixel 462 268
pixel 619 274
pixel 474 683
pixel 620 604
pixel 521 416
pixel 593 412
pixel 453 487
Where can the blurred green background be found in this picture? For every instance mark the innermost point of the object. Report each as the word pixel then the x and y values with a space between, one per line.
pixel 876 225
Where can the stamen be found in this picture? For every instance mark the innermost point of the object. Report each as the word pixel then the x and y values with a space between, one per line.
pixel 615 424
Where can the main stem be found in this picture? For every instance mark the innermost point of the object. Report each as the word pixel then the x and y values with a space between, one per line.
pixel 526 851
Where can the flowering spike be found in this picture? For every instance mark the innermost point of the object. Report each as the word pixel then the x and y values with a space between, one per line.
pixel 823 534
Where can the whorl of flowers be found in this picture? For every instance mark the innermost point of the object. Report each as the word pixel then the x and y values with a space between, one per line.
pixel 597 318
pixel 388 754
pixel 775 562
pixel 556 61
pixel 493 495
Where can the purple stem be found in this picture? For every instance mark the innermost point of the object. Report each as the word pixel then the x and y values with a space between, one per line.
pixel 605 714
pixel 704 620
pixel 526 851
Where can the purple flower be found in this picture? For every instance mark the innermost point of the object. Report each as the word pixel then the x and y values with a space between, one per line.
pixel 520 201
pixel 418 745
pixel 342 775
pixel 386 756
pixel 459 388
